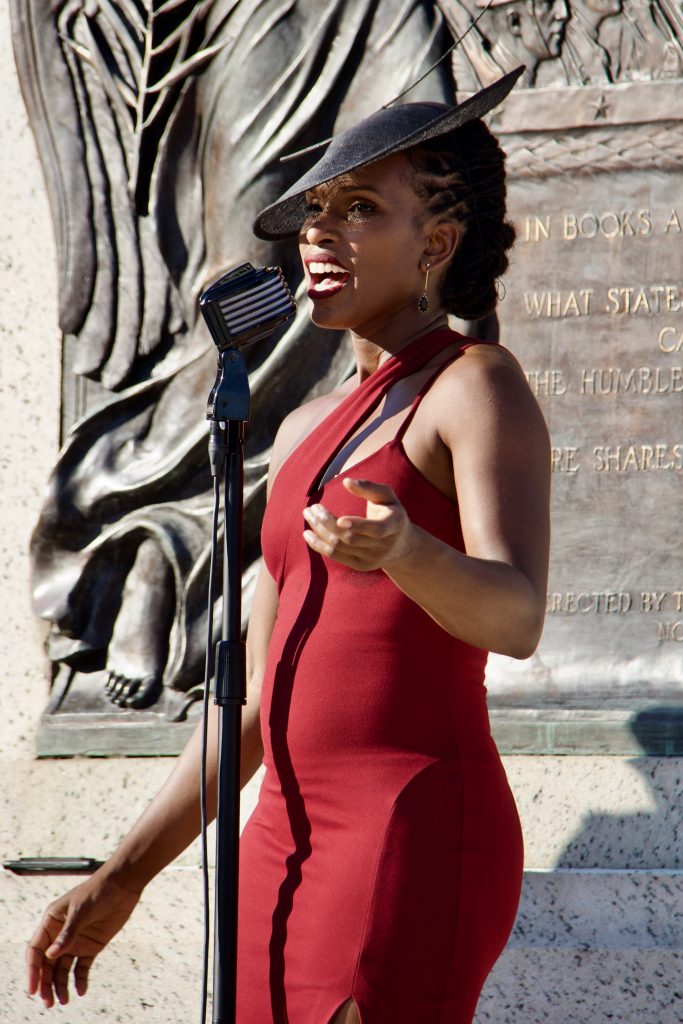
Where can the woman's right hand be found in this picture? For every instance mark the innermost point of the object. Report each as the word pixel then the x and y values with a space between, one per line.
pixel 73 930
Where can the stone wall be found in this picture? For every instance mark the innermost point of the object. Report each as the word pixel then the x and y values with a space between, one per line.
pixel 598 936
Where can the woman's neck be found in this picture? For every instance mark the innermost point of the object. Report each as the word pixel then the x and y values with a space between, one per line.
pixel 371 349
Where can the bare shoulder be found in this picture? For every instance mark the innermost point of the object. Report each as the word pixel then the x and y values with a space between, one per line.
pixel 485 389
pixel 299 423
pixel 486 365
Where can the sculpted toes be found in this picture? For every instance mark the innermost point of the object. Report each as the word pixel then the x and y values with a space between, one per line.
pixel 146 692
pixel 128 691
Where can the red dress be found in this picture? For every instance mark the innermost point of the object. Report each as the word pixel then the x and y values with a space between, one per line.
pixel 383 861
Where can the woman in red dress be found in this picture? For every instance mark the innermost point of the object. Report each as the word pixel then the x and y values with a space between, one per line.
pixel 406 535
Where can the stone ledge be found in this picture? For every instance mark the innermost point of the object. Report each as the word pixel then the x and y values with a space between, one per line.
pixel 636 731
pixel 657 731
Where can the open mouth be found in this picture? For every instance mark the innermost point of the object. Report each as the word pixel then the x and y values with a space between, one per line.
pixel 326 278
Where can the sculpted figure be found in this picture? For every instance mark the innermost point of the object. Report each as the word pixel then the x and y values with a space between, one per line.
pixel 512 32
pixel 584 60
pixel 647 41
pixel 171 126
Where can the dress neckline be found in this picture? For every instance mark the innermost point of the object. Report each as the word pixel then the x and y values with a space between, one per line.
pixel 325 442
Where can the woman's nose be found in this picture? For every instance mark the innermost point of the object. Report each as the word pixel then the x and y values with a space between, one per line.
pixel 321 229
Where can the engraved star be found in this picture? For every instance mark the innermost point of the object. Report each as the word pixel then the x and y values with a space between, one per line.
pixel 600 107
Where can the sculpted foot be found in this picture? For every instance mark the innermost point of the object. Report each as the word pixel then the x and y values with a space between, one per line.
pixel 133 693
pixel 139 645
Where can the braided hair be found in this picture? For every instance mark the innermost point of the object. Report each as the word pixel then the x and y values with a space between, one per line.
pixel 462 176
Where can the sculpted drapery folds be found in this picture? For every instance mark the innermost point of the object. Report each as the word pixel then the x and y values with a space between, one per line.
pixel 172 117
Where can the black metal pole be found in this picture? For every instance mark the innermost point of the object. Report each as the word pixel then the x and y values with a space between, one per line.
pixel 231 403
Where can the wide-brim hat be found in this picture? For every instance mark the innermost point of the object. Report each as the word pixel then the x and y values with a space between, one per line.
pixel 387 131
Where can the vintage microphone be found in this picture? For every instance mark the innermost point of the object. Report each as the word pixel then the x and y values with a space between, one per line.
pixel 242 307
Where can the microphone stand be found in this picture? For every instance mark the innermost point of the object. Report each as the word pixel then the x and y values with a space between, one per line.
pixel 228 410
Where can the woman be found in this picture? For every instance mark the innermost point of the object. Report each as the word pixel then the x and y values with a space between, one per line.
pixel 406 535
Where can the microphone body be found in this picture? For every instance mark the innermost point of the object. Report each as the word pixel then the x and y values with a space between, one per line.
pixel 242 307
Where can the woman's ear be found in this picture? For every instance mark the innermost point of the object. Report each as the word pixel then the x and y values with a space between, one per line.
pixel 442 243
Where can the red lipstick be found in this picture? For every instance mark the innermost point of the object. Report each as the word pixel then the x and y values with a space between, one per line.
pixel 327 275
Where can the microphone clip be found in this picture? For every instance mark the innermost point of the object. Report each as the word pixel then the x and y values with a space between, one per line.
pixel 229 396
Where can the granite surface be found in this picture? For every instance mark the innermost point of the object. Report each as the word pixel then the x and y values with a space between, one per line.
pixel 599 812
pixel 591 947
pixel 588 947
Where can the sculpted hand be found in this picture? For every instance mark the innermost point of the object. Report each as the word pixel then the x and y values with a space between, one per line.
pixel 373 541
pixel 73 930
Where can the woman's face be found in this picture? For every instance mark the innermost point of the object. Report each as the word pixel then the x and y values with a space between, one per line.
pixel 363 247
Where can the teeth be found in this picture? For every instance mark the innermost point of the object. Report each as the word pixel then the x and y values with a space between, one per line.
pixel 325 268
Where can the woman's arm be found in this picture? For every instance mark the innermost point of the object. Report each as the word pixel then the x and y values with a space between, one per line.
pixel 494 595
pixel 76 927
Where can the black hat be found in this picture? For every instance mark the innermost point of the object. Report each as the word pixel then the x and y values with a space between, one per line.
pixel 387 131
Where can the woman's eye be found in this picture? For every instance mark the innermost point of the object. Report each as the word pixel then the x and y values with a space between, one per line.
pixel 361 206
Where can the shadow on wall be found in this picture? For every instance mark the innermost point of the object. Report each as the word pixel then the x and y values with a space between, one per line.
pixel 645 839
pixel 604 945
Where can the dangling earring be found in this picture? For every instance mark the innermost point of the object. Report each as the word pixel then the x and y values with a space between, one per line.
pixel 423 301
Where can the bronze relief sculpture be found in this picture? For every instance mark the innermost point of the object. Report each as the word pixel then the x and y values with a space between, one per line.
pixel 172 117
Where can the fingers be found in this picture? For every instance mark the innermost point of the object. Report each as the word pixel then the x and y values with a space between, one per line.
pixel 325 535
pixel 62 940
pixel 380 494
pixel 38 966
pixel 34 958
pixel 53 979
pixel 49 958
pixel 60 979
pixel 361 542
pixel 49 977
pixel 82 974
pixel 45 990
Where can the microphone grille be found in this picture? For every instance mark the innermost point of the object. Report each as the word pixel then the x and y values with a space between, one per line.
pixel 246 305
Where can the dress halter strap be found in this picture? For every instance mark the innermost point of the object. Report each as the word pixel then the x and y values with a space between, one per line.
pixel 428 383
pixel 329 437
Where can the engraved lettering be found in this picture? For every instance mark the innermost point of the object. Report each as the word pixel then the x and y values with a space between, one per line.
pixel 673 223
pixel 571 228
pixel 641 302
pixel 585 602
pixel 641 380
pixel 536 228
pixel 558 304
pixel 606 602
pixel 654 298
pixel 678 600
pixel 670 631
pixel 645 221
pixel 639 457
pixel 562 460
pixel 651 602
pixel 612 301
pixel 546 382
pixel 669 340
pixel 611 224
pixel 673 303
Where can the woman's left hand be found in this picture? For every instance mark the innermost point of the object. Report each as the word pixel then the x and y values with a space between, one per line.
pixel 385 534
